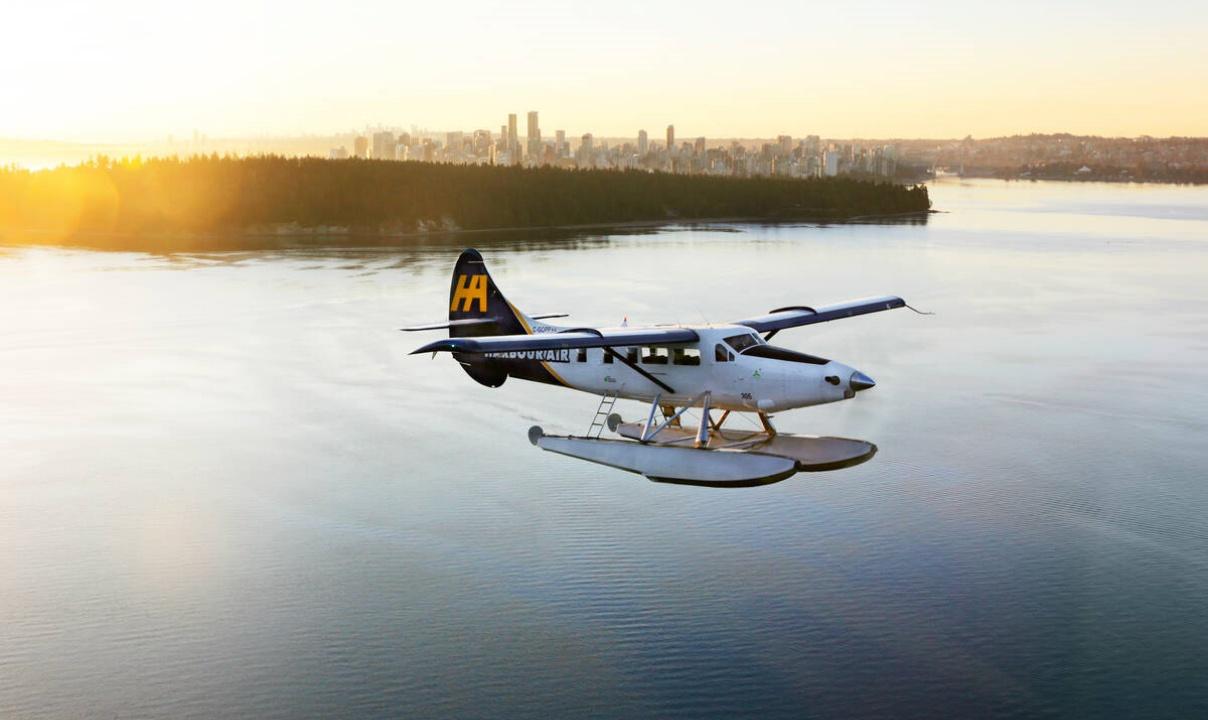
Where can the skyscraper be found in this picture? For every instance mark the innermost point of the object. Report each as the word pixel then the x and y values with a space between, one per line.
pixel 513 140
pixel 587 151
pixel 561 150
pixel 534 136
pixel 454 144
pixel 361 146
pixel 383 145
pixel 671 139
pixel 643 143
pixel 830 163
pixel 482 142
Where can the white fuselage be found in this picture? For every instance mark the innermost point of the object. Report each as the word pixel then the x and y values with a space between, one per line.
pixel 725 363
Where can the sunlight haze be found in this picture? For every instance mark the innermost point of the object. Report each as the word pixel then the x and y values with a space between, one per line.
pixel 133 69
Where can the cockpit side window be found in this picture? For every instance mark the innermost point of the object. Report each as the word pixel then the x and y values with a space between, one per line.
pixel 743 341
pixel 721 354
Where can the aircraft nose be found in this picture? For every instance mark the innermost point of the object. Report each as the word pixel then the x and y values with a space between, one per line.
pixel 859 381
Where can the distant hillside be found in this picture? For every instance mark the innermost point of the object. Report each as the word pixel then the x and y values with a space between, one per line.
pixel 274 194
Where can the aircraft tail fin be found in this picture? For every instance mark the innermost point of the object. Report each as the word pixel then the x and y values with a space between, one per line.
pixel 473 295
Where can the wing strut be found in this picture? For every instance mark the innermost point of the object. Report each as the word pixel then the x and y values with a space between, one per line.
pixel 638 370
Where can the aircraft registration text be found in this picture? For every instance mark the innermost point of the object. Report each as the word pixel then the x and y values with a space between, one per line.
pixel 554 356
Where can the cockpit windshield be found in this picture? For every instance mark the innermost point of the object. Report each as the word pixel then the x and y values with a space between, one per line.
pixel 744 341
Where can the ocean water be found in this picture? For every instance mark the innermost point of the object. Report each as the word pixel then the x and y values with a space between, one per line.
pixel 227 491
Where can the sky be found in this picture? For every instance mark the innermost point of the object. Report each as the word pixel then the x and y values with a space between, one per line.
pixel 126 70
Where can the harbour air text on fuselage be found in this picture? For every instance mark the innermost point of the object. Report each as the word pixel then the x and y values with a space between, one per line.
pixel 727 367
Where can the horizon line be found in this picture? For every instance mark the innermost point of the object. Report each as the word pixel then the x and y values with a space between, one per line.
pixel 173 138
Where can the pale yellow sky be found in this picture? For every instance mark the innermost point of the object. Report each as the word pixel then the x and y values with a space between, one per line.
pixel 134 69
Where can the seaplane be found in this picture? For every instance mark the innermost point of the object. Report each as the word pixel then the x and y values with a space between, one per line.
pixel 725 368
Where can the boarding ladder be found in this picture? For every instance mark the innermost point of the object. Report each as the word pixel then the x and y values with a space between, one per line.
pixel 600 421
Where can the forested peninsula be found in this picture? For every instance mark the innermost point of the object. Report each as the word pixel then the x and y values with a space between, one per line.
pixel 208 195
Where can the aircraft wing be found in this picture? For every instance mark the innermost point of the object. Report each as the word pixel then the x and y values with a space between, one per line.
pixel 564 340
pixel 797 316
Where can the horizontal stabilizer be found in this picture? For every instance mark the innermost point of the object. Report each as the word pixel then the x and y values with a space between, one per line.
pixel 568 339
pixel 445 324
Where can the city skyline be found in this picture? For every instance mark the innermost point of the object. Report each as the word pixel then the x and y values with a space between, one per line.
pixel 805 157
pixel 1056 156
pixel 866 69
pixel 1052 156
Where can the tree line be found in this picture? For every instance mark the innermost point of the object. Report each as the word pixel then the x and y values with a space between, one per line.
pixel 205 194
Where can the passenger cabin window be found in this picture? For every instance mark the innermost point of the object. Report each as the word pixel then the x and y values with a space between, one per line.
pixel 632 355
pixel 742 342
pixel 582 356
pixel 607 357
pixel 655 356
pixel 685 356
pixel 721 354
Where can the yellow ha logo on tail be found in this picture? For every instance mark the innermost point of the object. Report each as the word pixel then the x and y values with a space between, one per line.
pixel 469 289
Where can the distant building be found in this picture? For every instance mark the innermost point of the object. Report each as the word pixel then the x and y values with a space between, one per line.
pixel 587 151
pixel 830 163
pixel 454 144
pixel 784 144
pixel 561 149
pixel 643 143
pixel 513 142
pixel 360 146
pixel 482 143
pixel 534 136
pixel 888 161
pixel 340 153
pixel 383 146
pixel 671 139
pixel 699 147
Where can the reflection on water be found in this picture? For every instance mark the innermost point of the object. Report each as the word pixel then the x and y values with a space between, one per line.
pixel 228 491
pixel 425 244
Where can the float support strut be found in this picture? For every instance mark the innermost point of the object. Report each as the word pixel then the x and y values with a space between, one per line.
pixel 702 432
pixel 649 430
pixel 767 424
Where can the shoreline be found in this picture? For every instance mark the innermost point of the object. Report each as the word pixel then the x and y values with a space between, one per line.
pixel 1070 180
pixel 343 235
